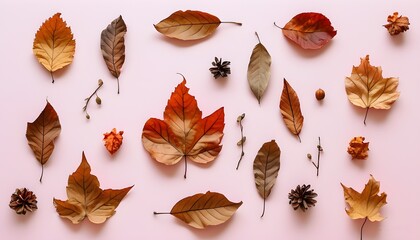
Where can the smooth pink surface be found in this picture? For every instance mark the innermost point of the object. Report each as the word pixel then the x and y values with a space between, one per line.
pixel 147 80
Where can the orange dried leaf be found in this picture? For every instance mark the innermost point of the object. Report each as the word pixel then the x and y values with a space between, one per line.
pixel 358 149
pixel 290 109
pixel 113 140
pixel 397 24
pixel 54 45
pixel 366 88
pixel 309 30
pixel 87 199
pixel 183 133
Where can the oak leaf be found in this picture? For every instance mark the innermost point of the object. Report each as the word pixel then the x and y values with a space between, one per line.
pixel 290 109
pixel 202 210
pixel 189 25
pixel 41 134
pixel 183 133
pixel 113 47
pixel 358 149
pixel 309 30
pixel 366 88
pixel 113 140
pixel 365 204
pixel 259 70
pixel 397 24
pixel 266 169
pixel 87 199
pixel 54 45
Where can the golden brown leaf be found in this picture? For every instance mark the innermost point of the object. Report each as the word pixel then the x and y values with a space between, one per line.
pixel 202 210
pixel 183 133
pixel 189 25
pixel 113 47
pixel 41 134
pixel 87 199
pixel 366 204
pixel 358 149
pixel 266 169
pixel 290 109
pixel 259 70
pixel 309 30
pixel 54 45
pixel 397 25
pixel 366 88
pixel 113 140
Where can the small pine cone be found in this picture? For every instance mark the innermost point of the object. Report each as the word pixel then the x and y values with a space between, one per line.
pixel 23 200
pixel 302 197
pixel 220 68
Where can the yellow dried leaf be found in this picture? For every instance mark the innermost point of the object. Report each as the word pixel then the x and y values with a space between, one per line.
pixel 54 45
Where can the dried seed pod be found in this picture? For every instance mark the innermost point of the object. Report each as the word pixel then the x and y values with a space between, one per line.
pixel 23 200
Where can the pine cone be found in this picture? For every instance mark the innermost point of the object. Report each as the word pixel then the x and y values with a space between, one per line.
pixel 302 198
pixel 23 200
pixel 220 68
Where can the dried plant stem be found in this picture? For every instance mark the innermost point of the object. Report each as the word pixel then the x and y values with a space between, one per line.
pixel 42 173
pixel 100 84
pixel 242 142
pixel 118 83
pixel 262 215
pixel 160 213
pixel 52 77
pixel 185 169
pixel 237 23
pixel 361 229
pixel 367 111
pixel 320 149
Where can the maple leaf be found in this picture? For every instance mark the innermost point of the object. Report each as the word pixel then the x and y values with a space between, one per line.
pixel 54 45
pixel 183 133
pixel 366 88
pixel 113 140
pixel 309 30
pixel 366 204
pixel 397 24
pixel 87 199
pixel 358 149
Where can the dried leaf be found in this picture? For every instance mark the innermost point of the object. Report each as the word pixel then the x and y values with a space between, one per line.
pixel 266 169
pixel 113 47
pixel 87 199
pixel 54 45
pixel 290 109
pixel 189 25
pixel 183 133
pixel 41 134
pixel 366 88
pixel 309 30
pixel 366 204
pixel 202 210
pixel 113 140
pixel 358 149
pixel 397 25
pixel 259 70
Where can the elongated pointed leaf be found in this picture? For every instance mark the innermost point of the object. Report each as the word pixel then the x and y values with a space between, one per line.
pixel 202 210
pixel 113 47
pixel 259 70
pixel 42 132
pixel 266 169
pixel 290 109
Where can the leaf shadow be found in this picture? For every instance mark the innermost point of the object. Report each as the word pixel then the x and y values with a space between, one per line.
pixel 398 40
pixel 92 227
pixel 183 43
pixel 166 170
pixel 301 216
pixel 23 219
pixel 370 229
pixel 309 53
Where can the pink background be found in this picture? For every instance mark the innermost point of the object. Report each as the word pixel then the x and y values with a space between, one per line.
pixel 147 80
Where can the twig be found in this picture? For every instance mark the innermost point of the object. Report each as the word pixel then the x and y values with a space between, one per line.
pixel 242 141
pixel 320 149
pixel 98 101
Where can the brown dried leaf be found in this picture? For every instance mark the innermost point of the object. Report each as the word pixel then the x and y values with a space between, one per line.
pixel 113 140
pixel 202 210
pixel 259 70
pixel 266 169
pixel 397 25
pixel 87 199
pixel 358 149
pixel 366 88
pixel 41 134
pixel 54 45
pixel 113 47
pixel 290 109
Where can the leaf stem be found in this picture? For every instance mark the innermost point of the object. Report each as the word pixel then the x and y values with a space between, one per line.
pixel 262 215
pixel 260 43
pixel 52 76
pixel 299 137
pixel 361 229
pixel 277 25
pixel 160 213
pixel 118 83
pixel 241 141
pixel 42 173
pixel 364 121
pixel 185 169
pixel 237 23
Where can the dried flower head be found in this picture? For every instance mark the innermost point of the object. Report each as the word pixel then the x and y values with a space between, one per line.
pixel 113 140
pixel 23 200
pixel 397 25
pixel 358 149
pixel 302 197
pixel 220 68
